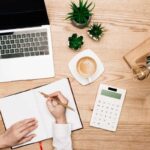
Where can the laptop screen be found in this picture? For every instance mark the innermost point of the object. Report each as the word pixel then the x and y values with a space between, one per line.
pixel 22 13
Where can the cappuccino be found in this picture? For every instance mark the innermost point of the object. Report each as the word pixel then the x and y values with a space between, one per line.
pixel 86 66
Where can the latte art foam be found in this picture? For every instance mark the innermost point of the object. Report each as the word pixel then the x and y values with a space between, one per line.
pixel 86 66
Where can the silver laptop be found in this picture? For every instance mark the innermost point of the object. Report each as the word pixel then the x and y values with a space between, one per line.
pixel 25 41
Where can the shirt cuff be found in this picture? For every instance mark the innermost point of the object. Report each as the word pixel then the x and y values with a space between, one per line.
pixel 61 130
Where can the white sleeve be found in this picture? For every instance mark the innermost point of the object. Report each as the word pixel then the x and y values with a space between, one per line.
pixel 62 137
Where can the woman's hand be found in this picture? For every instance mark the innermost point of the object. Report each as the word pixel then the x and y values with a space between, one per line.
pixel 18 133
pixel 56 109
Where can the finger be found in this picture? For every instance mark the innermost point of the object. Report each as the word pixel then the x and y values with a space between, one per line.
pixel 60 96
pixel 55 94
pixel 49 99
pixel 28 130
pixel 54 103
pixel 27 125
pixel 27 139
pixel 50 106
pixel 22 122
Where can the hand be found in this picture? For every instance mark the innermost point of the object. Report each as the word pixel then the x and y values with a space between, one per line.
pixel 56 109
pixel 18 133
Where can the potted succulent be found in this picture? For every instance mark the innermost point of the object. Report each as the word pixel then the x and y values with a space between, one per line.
pixel 81 14
pixel 75 41
pixel 95 31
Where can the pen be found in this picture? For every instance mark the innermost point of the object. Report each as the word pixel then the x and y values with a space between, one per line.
pixel 41 146
pixel 59 102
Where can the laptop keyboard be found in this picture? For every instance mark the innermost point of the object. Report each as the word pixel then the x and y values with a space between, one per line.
pixel 23 44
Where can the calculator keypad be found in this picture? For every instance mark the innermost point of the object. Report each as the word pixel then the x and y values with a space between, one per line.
pixel 106 113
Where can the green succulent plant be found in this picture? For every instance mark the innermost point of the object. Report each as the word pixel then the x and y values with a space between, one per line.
pixel 96 31
pixel 75 41
pixel 148 60
pixel 82 13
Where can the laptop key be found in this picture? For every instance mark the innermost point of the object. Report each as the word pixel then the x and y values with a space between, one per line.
pixel 12 51
pixel 9 46
pixel 4 47
pixel 41 53
pixel 32 53
pixel 9 37
pixel 26 49
pixel 12 55
pixel 26 40
pixel 33 34
pixel 37 53
pixel 46 52
pixel 23 36
pixel 14 36
pixel 40 39
pixel 31 39
pixel 35 49
pixel 43 48
pixel 21 40
pixel 4 37
pixel 27 54
pixel 7 42
pixel 44 34
pixel 32 44
pixel 18 45
pixel 31 49
pixel 28 35
pixel 12 41
pixel 17 41
pixel 2 42
pixel 13 46
pixel 37 44
pixel 40 48
pixel 27 44
pixel 18 36
pixel 45 38
pixel 21 50
pixel 37 34
pixel 35 39
pixel 44 43
pixel 7 51
pixel 17 50
pixel 2 51
pixel 23 45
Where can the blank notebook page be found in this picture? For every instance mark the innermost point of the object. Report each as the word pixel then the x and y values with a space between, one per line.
pixel 32 104
pixel 22 106
pixel 63 86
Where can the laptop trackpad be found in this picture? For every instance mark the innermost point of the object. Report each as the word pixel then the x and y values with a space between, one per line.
pixel 26 68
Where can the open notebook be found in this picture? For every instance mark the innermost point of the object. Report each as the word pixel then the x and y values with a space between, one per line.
pixel 32 104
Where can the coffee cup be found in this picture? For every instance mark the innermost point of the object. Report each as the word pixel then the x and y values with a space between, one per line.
pixel 86 67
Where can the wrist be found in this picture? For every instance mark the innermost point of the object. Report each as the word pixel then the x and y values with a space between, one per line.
pixel 2 142
pixel 61 120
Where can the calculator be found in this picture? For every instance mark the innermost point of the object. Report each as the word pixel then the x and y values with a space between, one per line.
pixel 107 107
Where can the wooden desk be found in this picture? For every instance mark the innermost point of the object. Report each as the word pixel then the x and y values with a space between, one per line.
pixel 127 23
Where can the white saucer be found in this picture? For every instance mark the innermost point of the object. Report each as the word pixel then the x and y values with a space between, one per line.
pixel 77 76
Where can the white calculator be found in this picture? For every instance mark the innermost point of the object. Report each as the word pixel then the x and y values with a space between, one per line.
pixel 107 107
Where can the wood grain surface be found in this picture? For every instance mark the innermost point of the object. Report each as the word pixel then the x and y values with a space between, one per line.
pixel 127 24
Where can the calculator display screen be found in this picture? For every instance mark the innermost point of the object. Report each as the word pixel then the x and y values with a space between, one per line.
pixel 111 94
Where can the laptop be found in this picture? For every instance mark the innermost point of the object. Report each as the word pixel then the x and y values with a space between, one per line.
pixel 25 41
